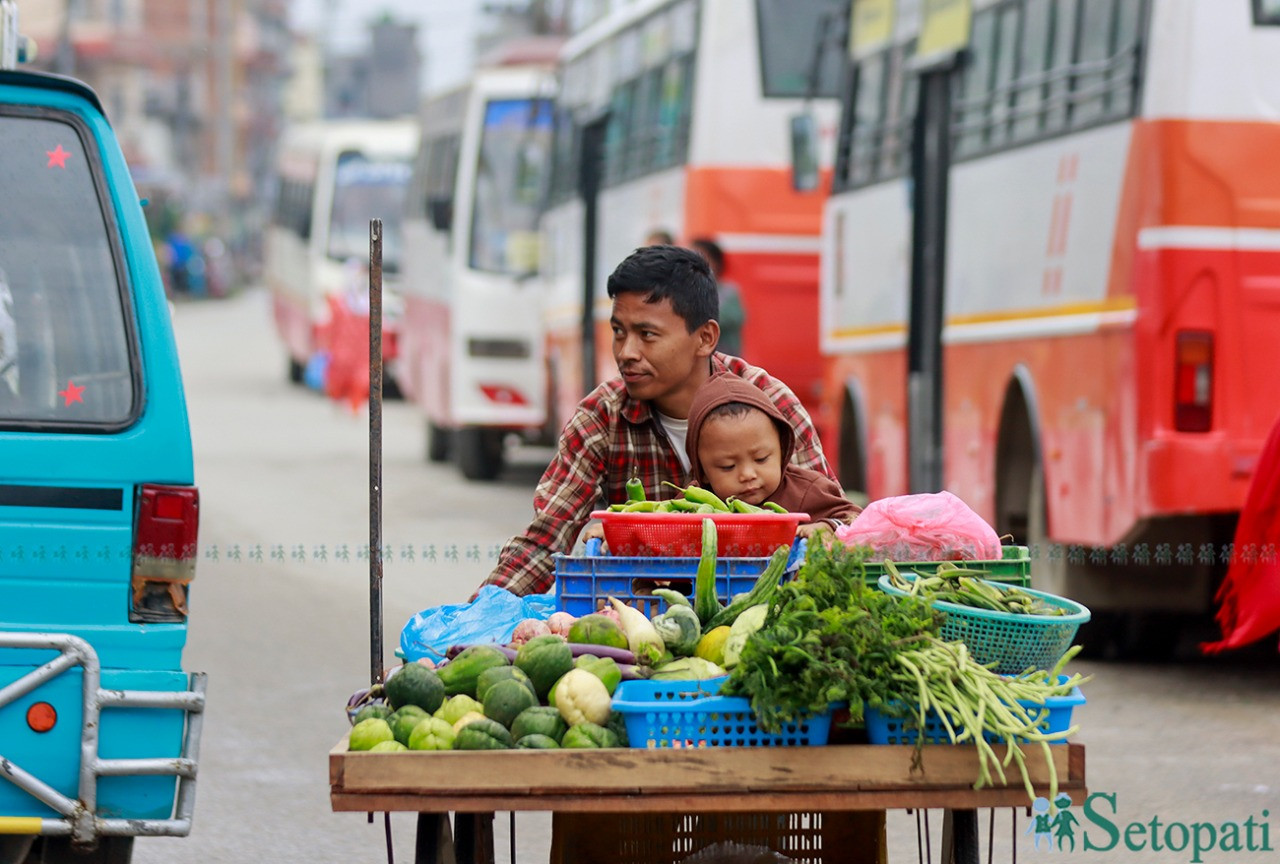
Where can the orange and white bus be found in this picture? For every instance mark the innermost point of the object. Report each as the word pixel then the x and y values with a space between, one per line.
pixel 1108 314
pixel 471 346
pixel 672 115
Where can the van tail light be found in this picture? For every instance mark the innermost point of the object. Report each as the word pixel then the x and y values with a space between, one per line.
pixel 164 552
pixel 1193 381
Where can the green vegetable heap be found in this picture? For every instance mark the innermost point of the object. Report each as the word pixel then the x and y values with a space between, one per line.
pixel 829 638
pixel 964 587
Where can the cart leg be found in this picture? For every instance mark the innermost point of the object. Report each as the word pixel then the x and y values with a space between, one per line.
pixel 434 841
pixel 960 837
pixel 474 838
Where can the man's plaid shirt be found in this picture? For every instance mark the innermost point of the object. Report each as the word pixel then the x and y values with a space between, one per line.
pixel 611 438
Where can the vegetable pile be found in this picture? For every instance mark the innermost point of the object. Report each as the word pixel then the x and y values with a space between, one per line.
pixel 829 638
pixel 692 499
pixel 965 587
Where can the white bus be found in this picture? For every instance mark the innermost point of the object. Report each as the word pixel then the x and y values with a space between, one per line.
pixel 673 115
pixel 1107 370
pixel 334 176
pixel 471 347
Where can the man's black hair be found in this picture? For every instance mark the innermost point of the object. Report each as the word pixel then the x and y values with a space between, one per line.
pixel 669 273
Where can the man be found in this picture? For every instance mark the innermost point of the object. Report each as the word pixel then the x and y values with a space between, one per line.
pixel 664 342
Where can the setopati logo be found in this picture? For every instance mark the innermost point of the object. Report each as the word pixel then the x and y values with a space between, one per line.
pixel 1098 827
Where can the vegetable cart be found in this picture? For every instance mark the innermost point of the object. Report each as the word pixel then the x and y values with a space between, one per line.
pixel 812 803
pixel 636 782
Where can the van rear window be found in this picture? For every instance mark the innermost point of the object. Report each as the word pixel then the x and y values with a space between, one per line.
pixel 65 357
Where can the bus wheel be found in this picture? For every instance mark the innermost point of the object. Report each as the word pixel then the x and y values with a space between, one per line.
pixel 479 452
pixel 438 443
pixel 296 371
pixel 58 850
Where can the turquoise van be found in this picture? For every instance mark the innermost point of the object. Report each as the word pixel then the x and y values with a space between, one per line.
pixel 99 724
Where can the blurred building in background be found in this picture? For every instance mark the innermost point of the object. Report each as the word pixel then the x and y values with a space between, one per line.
pixel 194 90
pixel 381 81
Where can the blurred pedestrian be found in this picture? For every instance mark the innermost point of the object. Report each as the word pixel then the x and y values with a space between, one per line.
pixel 732 313
pixel 659 237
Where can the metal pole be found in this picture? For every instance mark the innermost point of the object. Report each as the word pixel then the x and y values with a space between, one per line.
pixel 375 451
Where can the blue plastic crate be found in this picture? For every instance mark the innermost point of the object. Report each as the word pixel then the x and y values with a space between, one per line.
pixel 1055 714
pixel 585 583
pixel 673 714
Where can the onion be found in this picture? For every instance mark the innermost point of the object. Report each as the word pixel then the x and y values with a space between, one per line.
pixel 528 629
pixel 560 622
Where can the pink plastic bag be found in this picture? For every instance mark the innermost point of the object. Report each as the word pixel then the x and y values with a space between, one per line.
pixel 927 527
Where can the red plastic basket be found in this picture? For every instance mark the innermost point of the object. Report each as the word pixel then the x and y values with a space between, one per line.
pixel 738 535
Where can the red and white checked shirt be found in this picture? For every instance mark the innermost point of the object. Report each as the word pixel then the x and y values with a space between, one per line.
pixel 611 438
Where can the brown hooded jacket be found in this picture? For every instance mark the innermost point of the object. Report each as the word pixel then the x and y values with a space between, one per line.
pixel 802 490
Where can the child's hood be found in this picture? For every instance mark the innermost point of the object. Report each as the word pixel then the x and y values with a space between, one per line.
pixel 720 390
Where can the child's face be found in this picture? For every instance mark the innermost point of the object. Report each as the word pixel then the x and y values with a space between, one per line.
pixel 741 456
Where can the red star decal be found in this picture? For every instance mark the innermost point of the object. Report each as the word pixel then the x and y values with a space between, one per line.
pixel 57 157
pixel 71 394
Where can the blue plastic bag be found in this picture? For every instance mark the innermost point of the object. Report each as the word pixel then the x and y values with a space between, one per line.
pixel 491 617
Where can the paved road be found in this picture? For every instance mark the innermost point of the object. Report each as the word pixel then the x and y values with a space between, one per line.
pixel 285 639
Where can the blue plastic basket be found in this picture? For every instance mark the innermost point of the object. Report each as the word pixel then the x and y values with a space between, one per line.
pixel 1013 642
pixel 662 714
pixel 1054 716
pixel 585 583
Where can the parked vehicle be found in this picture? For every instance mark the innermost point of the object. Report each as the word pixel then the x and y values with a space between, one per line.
pixel 671 118
pixel 333 177
pixel 472 337
pixel 99 724
pixel 1102 367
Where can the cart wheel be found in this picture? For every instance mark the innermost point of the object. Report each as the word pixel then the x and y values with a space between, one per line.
pixel 58 850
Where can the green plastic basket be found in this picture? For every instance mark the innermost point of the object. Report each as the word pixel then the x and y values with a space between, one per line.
pixel 1014 643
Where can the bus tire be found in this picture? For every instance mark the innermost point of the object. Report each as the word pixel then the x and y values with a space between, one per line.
pixel 296 371
pixel 479 452
pixel 58 850
pixel 438 443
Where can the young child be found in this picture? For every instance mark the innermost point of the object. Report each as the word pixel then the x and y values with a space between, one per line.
pixel 740 445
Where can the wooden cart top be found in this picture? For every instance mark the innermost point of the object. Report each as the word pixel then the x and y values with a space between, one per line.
pixel 835 777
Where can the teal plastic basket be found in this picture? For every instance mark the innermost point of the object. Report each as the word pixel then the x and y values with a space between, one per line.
pixel 1013 642
pixel 674 714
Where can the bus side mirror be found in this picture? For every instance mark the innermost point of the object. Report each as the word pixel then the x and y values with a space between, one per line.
pixel 440 210
pixel 804 153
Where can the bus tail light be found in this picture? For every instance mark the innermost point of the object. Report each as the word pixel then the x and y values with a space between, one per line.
pixel 164 552
pixel 1193 381
pixel 502 394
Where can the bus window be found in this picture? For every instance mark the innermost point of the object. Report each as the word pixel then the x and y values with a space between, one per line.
pixel 66 347
pixel 1005 68
pixel 1096 20
pixel 785 24
pixel 511 173
pixel 1266 12
pixel 366 189
pixel 975 87
pixel 1062 42
pixel 1033 55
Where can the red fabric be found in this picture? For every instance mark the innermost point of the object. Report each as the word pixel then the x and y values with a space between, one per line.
pixel 347 377
pixel 1249 598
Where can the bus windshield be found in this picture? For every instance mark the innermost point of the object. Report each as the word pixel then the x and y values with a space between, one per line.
pixel 365 189
pixel 65 344
pixel 511 174
pixel 791 35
